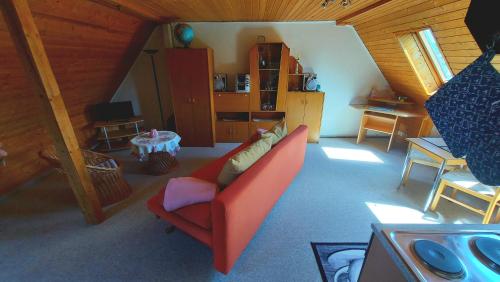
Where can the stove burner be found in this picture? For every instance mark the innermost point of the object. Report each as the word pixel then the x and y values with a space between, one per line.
pixel 488 250
pixel 438 259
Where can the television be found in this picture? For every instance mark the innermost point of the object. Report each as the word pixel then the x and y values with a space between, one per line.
pixel 113 111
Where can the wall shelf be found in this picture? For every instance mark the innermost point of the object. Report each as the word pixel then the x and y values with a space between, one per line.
pixel 268 77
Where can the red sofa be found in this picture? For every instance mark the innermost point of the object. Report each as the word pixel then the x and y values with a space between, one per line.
pixel 228 223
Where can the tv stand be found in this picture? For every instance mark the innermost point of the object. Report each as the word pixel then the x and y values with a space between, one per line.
pixel 115 135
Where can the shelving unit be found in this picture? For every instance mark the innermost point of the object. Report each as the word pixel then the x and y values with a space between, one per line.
pixel 268 77
pixel 116 135
pixel 238 115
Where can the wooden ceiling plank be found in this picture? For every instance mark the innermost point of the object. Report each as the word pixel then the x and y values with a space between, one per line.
pixel 383 11
pixel 27 39
pixel 136 8
pixel 422 14
pixel 366 9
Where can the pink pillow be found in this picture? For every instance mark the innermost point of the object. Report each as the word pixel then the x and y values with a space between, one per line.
pixel 185 191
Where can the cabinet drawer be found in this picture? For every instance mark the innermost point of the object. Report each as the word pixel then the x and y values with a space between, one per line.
pixel 231 102
pixel 231 131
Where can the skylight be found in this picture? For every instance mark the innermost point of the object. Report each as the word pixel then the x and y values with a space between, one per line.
pixel 435 54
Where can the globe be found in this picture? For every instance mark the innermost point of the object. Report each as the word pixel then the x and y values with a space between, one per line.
pixel 184 34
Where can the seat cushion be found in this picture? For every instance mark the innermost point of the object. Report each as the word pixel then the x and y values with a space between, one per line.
pixel 199 214
pixel 466 179
pixel 417 155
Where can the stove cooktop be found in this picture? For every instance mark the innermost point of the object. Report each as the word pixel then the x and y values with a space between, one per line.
pixel 438 256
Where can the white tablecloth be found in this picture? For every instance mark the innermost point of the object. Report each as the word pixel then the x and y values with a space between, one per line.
pixel 167 141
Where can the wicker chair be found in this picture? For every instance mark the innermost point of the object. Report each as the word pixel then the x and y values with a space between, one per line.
pixel 104 171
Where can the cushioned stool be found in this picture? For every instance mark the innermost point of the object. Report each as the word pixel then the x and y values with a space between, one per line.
pixel 421 158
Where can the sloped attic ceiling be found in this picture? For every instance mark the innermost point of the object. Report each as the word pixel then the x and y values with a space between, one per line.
pixel 376 21
pixel 90 47
pixel 247 10
pixel 378 29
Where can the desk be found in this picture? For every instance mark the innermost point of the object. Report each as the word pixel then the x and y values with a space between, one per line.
pixel 383 119
pixel 436 149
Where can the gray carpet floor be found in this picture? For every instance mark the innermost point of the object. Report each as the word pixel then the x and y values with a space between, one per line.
pixel 341 190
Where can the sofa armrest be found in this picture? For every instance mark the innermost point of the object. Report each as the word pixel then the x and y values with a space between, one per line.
pixel 239 210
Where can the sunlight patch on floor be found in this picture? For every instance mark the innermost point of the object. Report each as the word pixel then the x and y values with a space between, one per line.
pixel 398 214
pixel 351 155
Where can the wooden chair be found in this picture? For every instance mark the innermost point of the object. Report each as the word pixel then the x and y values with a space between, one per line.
pixel 462 180
pixel 417 157
pixel 104 171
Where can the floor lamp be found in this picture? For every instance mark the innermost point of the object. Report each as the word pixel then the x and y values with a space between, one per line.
pixel 151 53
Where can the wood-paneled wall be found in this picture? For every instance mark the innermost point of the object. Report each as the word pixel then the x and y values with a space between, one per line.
pixel 378 28
pixel 90 47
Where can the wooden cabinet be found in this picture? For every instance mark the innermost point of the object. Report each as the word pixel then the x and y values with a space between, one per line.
pixel 232 113
pixel 190 73
pixel 232 131
pixel 305 108
pixel 231 102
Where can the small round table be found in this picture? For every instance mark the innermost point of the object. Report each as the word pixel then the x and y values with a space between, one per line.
pixel 160 151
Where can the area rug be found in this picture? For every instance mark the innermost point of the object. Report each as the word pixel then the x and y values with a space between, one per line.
pixel 339 262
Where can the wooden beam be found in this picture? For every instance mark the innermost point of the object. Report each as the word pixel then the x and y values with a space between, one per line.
pixel 26 37
pixel 134 8
pixel 346 18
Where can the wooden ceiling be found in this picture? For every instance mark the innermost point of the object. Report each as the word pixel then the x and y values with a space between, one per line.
pixel 379 26
pixel 242 10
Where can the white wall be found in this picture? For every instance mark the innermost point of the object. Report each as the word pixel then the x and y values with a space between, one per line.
pixel 139 85
pixel 336 53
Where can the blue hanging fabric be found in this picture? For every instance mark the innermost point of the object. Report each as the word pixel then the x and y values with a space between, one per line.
pixel 466 112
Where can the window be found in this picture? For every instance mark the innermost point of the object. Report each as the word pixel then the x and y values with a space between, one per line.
pixel 425 56
pixel 435 53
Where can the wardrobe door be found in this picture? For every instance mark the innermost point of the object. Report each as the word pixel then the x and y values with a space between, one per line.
pixel 295 106
pixel 179 82
pixel 201 94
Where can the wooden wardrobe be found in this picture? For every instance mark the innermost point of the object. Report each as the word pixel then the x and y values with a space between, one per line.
pixel 190 73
